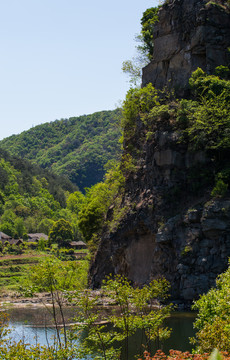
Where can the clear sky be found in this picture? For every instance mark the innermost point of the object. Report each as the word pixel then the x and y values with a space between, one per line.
pixel 63 58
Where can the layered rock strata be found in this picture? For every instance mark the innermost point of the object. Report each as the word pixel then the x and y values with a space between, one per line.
pixel 172 227
pixel 189 34
pixel 168 230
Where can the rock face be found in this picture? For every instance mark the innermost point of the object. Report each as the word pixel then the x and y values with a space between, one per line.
pixel 189 34
pixel 171 228
pixel 167 231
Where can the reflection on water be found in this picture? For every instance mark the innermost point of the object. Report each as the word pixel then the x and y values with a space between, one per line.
pixel 34 325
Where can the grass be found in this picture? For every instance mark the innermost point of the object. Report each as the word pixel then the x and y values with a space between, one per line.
pixel 14 269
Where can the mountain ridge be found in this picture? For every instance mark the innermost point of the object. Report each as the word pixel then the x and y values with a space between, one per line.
pixel 77 147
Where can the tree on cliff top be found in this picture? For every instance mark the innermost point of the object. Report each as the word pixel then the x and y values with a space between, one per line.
pixel 145 48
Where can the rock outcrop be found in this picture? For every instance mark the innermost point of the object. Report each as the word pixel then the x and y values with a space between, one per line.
pixel 172 227
pixel 189 34
pixel 167 231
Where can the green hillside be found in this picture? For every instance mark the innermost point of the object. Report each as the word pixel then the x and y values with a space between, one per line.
pixel 78 147
pixel 31 198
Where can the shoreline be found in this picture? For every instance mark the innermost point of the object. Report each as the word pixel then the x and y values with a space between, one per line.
pixel 14 299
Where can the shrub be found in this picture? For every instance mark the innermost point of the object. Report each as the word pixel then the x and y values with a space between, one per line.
pixel 213 318
pixel 137 103
pixel 32 245
pixel 220 188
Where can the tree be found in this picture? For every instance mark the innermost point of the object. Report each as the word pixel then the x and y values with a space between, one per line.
pixel 138 309
pixel 133 67
pixel 56 277
pixel 61 233
pixel 209 125
pixel 148 20
pixel 92 216
pixel 19 227
pixel 75 201
pixel 45 225
pixel 213 317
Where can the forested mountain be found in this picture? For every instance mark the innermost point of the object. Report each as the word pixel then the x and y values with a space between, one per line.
pixel 78 147
pixel 31 198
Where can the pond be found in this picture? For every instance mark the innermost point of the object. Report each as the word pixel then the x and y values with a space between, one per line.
pixel 33 324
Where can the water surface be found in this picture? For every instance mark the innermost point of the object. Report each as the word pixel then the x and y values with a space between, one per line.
pixel 34 324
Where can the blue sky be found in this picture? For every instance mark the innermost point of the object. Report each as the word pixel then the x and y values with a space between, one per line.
pixel 63 58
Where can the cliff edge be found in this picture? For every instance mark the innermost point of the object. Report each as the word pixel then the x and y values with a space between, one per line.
pixel 189 34
pixel 171 225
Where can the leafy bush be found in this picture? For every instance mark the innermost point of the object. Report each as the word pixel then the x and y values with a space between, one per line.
pixel 138 102
pixel 185 112
pixel 179 355
pixel 213 317
pixel 54 274
pixel 92 216
pixel 137 310
pixel 207 85
pixel 32 245
pixel 220 188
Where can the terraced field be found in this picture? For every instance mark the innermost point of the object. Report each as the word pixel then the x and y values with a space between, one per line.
pixel 14 268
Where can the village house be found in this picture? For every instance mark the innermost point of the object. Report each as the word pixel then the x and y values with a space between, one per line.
pixel 35 237
pixel 78 245
pixel 6 238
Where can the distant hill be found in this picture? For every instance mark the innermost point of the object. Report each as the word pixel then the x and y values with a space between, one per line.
pixel 77 147
pixel 24 172
pixel 31 198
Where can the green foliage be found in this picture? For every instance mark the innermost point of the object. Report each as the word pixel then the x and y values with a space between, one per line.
pixel 210 126
pixel 89 319
pixel 208 85
pixel 205 125
pixel 55 275
pixel 145 48
pixel 222 72
pixel 26 203
pixel 138 103
pixel 187 249
pixel 213 318
pixel 45 226
pixel 42 244
pixel 215 355
pixel 185 112
pixel 75 201
pixel 61 233
pixel 19 227
pixel 14 270
pixel 136 310
pixel 92 216
pixel 18 351
pixel 148 20
pixel 220 188
pixel 133 68
pixel 77 147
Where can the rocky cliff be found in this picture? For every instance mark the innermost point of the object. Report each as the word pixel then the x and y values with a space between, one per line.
pixel 171 226
pixel 169 229
pixel 189 34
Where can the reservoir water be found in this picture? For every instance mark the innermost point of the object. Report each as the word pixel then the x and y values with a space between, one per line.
pixel 33 324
